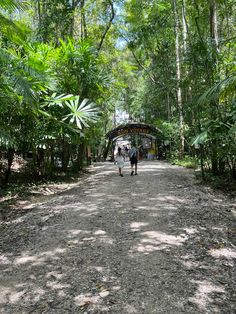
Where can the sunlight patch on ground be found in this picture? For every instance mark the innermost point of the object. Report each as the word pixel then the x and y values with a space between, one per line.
pixel 15 221
pixel 116 288
pixel 190 264
pixel 169 198
pixel 145 165
pixel 190 230
pixel 27 259
pixel 38 259
pixel 218 200
pixel 37 294
pixel 78 237
pixel 4 260
pixel 104 173
pixel 160 237
pixel 189 261
pixel 72 243
pixel 55 285
pixel 89 239
pixel 202 295
pixel 99 232
pixel 73 233
pixel 86 299
pixel 10 295
pixel 13 298
pixel 156 241
pixel 224 252
pixel 136 226
pixel 106 240
pixel 99 269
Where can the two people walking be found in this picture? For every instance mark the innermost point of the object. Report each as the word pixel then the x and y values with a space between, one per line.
pixel 120 160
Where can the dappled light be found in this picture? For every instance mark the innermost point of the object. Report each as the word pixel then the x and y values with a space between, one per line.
pixel 153 241
pixel 227 253
pixel 113 246
pixel 117 156
pixel 204 292
pixel 137 226
pixel 40 258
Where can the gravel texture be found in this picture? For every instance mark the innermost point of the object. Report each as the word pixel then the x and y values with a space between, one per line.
pixel 153 243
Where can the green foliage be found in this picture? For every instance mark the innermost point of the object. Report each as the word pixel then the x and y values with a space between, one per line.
pixel 57 58
pixel 187 161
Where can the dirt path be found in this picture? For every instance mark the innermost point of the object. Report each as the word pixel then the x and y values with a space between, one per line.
pixel 152 243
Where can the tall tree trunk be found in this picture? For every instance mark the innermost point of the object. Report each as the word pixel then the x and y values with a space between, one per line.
pixel 168 105
pixel 213 23
pixel 83 25
pixel 10 157
pixel 214 104
pixel 65 154
pixel 38 9
pixel 80 156
pixel 178 76
pixel 185 26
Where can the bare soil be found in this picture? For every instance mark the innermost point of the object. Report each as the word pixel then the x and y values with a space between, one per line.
pixel 153 243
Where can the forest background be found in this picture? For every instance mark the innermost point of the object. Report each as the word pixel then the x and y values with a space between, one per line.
pixel 68 67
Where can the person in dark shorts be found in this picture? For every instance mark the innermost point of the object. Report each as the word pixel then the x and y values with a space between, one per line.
pixel 133 155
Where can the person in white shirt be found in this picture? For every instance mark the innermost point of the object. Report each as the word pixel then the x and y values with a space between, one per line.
pixel 120 161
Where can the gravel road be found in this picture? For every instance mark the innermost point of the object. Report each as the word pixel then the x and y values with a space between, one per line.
pixel 157 242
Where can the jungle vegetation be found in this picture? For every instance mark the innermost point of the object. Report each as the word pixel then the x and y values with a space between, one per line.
pixel 67 66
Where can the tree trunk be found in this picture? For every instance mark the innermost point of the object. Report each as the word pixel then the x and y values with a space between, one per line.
pixel 80 156
pixel 185 26
pixel 10 157
pixel 214 105
pixel 41 161
pixel 214 158
pixel 178 76
pixel 65 155
pixel 213 23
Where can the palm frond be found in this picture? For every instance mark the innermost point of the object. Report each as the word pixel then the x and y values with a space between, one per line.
pixel 223 88
pixel 11 5
pixel 59 122
pixel 81 114
pixel 59 100
pixel 15 31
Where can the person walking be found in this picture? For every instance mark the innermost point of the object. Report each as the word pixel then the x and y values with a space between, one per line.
pixel 120 161
pixel 133 155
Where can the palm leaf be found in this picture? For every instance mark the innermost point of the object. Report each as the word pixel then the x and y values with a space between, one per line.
pixel 222 88
pixel 11 5
pixel 59 100
pixel 200 138
pixel 59 122
pixel 81 114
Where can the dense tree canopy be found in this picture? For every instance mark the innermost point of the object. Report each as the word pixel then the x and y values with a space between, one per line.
pixel 67 66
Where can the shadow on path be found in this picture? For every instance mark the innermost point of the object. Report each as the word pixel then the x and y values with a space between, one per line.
pixel 152 243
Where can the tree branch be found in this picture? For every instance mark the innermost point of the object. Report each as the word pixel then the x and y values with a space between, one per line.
pixel 75 3
pixel 108 25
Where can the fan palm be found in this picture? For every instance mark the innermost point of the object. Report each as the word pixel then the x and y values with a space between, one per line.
pixel 81 114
